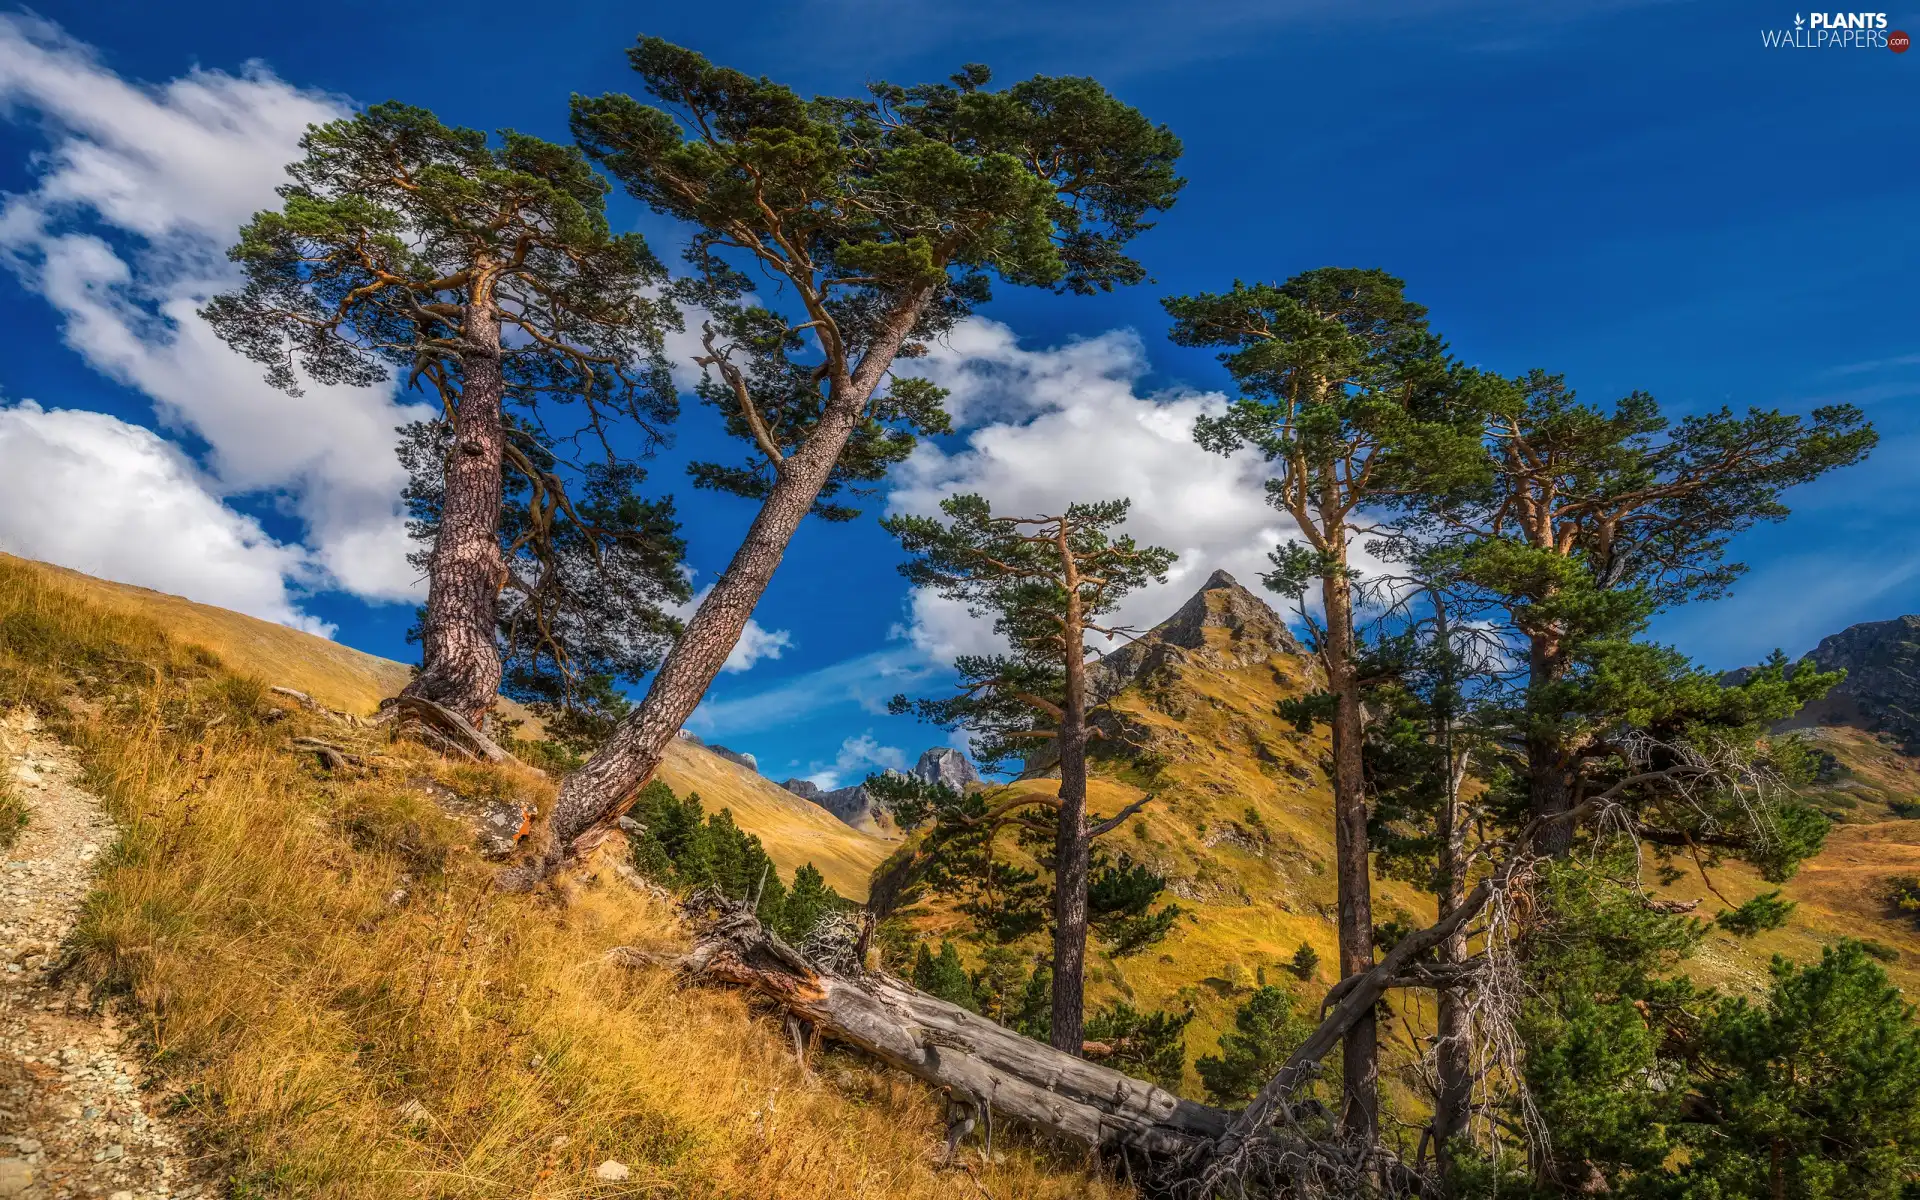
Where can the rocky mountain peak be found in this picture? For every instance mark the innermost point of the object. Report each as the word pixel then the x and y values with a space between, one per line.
pixel 854 804
pixel 1881 693
pixel 944 764
pixel 1244 631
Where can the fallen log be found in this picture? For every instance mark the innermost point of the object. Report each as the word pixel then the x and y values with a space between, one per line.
pixel 977 1062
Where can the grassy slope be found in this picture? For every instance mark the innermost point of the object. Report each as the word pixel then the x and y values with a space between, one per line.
pixel 1254 891
pixel 1257 891
pixel 342 1006
pixel 1842 891
pixel 793 831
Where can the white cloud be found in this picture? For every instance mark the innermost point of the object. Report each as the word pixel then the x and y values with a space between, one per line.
pixel 124 234
pixel 87 491
pixel 868 680
pixel 858 756
pixel 1069 424
pixel 755 644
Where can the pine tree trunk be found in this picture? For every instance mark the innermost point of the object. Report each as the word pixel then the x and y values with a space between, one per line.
pixel 1072 847
pixel 599 791
pixel 1360 1053
pixel 459 658
pixel 1547 786
pixel 1453 1060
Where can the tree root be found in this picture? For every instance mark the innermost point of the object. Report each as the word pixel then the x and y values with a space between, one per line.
pixel 440 728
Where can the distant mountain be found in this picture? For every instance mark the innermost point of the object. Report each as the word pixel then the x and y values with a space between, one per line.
pixel 1881 693
pixel 854 804
pixel 944 764
pixel 733 756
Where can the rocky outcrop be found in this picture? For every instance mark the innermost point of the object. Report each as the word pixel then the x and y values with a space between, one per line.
pixel 854 804
pixel 1881 693
pixel 944 764
pixel 1223 626
pixel 733 756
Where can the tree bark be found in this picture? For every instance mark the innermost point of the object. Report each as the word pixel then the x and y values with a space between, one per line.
pixel 1548 791
pixel 1072 849
pixel 459 658
pixel 1453 1060
pixel 604 787
pixel 980 1064
pixel 1360 1067
pixel 1354 1000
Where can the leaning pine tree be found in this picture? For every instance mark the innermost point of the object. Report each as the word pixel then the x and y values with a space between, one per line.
pixel 486 272
pixel 1354 402
pixel 882 219
pixel 1048 583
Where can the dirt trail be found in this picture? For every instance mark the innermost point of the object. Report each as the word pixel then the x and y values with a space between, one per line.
pixel 74 1121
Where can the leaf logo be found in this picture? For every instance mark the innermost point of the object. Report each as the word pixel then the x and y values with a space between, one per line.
pixel 1798 20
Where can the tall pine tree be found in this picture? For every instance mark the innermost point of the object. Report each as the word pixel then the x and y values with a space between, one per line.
pixel 1353 401
pixel 484 272
pixel 1048 582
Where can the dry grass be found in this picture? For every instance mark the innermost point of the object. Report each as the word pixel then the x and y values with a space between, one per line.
pixel 13 814
pixel 324 1036
pixel 793 830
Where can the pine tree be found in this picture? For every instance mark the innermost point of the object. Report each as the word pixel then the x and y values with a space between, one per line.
pixel 807 901
pixel 1149 1045
pixel 1814 1093
pixel 882 219
pixel 1120 898
pixel 1048 581
pixel 1354 402
pixel 590 564
pixel 1305 963
pixel 486 273
pixel 1265 1030
pixel 944 975
pixel 1593 519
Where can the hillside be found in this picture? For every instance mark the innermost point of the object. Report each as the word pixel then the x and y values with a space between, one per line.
pixel 793 831
pixel 1241 825
pixel 326 996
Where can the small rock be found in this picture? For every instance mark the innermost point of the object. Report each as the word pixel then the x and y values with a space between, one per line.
pixel 27 1145
pixel 413 1112
pixel 15 1177
pixel 121 1196
pixel 612 1172
pixel 502 824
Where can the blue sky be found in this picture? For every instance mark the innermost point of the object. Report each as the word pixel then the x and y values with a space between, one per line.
pixel 1638 195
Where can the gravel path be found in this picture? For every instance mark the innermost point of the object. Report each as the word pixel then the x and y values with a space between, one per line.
pixel 73 1118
